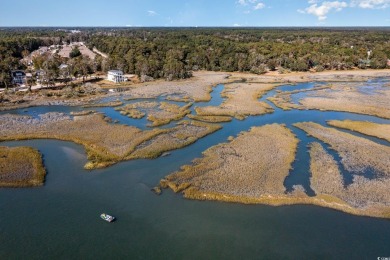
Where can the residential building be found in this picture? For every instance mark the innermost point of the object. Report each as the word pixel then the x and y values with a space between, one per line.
pixel 40 76
pixel 18 77
pixel 63 66
pixel 116 76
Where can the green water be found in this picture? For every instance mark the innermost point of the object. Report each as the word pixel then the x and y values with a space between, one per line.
pixel 61 220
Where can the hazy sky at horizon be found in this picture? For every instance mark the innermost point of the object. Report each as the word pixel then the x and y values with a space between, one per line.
pixel 195 13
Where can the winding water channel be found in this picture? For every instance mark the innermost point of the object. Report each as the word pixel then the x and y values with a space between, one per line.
pixel 61 219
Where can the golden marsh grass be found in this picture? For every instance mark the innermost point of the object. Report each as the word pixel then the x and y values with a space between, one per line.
pixel 358 154
pixel 21 167
pixel 167 113
pixel 381 131
pixel 241 101
pixel 252 165
pixel 107 104
pixel 211 119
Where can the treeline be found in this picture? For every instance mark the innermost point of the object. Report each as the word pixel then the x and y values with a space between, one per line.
pixel 12 49
pixel 173 53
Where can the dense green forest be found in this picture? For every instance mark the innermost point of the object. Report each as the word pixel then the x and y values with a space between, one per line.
pixel 173 53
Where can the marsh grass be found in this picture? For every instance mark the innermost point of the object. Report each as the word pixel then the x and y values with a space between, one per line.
pixel 325 177
pixel 283 100
pixel 252 167
pixel 21 167
pixel 358 154
pixel 381 131
pixel 254 164
pixel 184 134
pixel 363 196
pixel 137 110
pixel 83 113
pixel 105 143
pixel 347 98
pixel 211 119
pixel 107 104
pixel 167 113
pixel 241 101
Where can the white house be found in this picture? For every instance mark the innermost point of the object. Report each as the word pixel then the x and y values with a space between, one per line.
pixel 116 76
pixel 18 77
pixel 40 76
pixel 63 66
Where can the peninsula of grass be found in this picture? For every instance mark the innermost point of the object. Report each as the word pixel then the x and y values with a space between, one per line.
pixel 363 197
pixel 241 101
pixel 167 113
pixel 137 110
pixel 347 98
pixel 184 134
pixel 211 119
pixel 252 166
pixel 107 104
pixel 357 154
pixel 21 167
pixel 83 113
pixel 283 99
pixel 158 113
pixel 105 143
pixel 381 131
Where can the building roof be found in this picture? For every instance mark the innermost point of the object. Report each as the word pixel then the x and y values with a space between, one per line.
pixel 115 71
pixel 18 73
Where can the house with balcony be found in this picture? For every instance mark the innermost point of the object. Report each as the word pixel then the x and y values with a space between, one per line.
pixel 116 76
pixel 18 77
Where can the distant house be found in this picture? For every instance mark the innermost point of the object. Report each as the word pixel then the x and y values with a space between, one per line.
pixel 366 63
pixel 40 76
pixel 63 66
pixel 18 77
pixel 116 76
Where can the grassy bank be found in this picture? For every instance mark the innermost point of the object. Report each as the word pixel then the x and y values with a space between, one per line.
pixel 254 164
pixel 21 167
pixel 381 131
pixel 105 143
pixel 241 101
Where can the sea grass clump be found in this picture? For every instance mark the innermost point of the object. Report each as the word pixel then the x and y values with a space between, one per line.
pixel 252 166
pixel 241 101
pixel 21 167
pixel 105 143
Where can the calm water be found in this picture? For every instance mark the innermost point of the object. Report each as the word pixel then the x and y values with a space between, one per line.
pixel 61 220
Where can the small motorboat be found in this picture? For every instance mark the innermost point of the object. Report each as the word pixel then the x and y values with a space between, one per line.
pixel 107 217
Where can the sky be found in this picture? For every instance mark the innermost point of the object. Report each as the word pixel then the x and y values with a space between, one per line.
pixel 202 13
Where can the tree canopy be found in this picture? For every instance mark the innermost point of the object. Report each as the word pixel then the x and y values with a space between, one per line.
pixel 173 53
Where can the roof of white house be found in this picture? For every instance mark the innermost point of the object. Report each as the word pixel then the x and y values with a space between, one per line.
pixel 115 71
